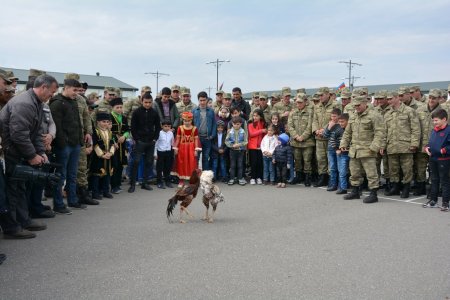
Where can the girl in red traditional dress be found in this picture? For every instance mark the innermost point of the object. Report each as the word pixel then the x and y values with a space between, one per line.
pixel 186 146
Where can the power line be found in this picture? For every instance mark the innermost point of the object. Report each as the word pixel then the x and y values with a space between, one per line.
pixel 157 74
pixel 217 64
pixel 350 65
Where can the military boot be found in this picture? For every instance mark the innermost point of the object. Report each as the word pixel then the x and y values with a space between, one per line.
pixel 322 181
pixel 300 177
pixel 387 185
pixel 307 179
pixel 353 195
pixel 405 190
pixel 420 189
pixel 394 190
pixel 372 198
pixel 84 196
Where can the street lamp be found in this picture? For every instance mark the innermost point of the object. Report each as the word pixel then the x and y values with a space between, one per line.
pixel 157 74
pixel 217 64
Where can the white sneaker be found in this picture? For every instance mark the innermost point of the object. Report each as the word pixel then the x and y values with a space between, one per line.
pixel 259 181
pixel 252 181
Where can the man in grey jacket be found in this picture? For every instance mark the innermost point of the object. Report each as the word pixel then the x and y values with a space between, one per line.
pixel 21 123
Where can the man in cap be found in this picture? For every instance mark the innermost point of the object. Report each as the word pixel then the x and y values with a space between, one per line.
pixel 322 114
pixel 21 122
pixel 402 141
pixel 284 107
pixel 346 98
pixel 219 101
pixel 301 91
pixel 12 78
pixel 108 94
pixel 333 95
pixel 416 93
pixel 364 139
pixel 382 107
pixel 426 126
pixel 185 104
pixel 274 99
pixel 175 95
pixel 255 102
pixel 92 98
pixel 264 106
pixel 118 93
pixel 405 97
pixel 130 106
pixel 239 102
pixel 299 127
pixel 226 102
pixel 4 85
pixel 67 144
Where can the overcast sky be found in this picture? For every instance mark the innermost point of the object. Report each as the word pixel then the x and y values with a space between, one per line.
pixel 271 44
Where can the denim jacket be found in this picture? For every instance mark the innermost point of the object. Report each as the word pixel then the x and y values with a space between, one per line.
pixel 234 137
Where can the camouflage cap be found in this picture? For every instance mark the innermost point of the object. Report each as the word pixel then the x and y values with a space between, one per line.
pixel 316 97
pixel 92 95
pixel 301 91
pixel 275 95
pixel 11 76
pixel 110 90
pixel 146 88
pixel 403 90
pixel 359 99
pixel 323 90
pixel 255 95
pixel 365 90
pixel 263 95
pixel 226 95
pixel 175 88
pixel 185 91
pixel 36 73
pixel 74 76
pixel 358 92
pixel 381 94
pixel 286 91
pixel 332 91
pixel 346 95
pixel 435 93
pixel 220 92
pixel 4 76
pixel 301 97
pixel 118 92
pixel 390 95
pixel 414 88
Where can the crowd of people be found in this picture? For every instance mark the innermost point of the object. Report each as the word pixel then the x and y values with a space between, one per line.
pixel 342 140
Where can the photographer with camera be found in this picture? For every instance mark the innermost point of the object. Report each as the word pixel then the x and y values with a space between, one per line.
pixel 21 123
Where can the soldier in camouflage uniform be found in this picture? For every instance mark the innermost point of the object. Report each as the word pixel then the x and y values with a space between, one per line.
pixel 364 138
pixel 82 174
pixel 346 98
pixel 426 126
pixel 254 104
pixel 175 93
pixel 274 99
pixel 284 107
pixel 406 97
pixel 219 101
pixel 402 140
pixel 382 107
pixel 302 141
pixel 185 104
pixel 265 107
pixel 131 105
pixel 103 104
pixel 322 114
pixel 416 93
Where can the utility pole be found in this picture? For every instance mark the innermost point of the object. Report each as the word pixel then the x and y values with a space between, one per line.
pixel 352 81
pixel 157 74
pixel 209 88
pixel 350 65
pixel 217 64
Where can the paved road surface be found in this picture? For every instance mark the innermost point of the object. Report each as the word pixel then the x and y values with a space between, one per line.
pixel 266 243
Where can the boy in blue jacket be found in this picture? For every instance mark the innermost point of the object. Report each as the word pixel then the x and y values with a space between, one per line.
pixel 438 148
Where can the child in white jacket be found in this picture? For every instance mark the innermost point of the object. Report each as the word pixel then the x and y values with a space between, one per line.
pixel 268 144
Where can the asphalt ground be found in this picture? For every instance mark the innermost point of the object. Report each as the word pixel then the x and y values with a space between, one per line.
pixel 265 243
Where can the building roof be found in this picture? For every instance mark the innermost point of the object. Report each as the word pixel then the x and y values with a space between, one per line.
pixel 424 86
pixel 93 81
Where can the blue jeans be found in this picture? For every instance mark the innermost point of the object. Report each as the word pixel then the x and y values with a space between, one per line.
pixel 292 169
pixel 206 152
pixel 332 168
pixel 269 173
pixel 342 162
pixel 219 161
pixel 68 158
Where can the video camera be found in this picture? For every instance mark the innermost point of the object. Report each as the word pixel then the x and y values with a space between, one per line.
pixel 41 175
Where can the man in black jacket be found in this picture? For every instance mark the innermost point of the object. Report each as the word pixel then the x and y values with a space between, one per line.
pixel 21 123
pixel 67 145
pixel 145 127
